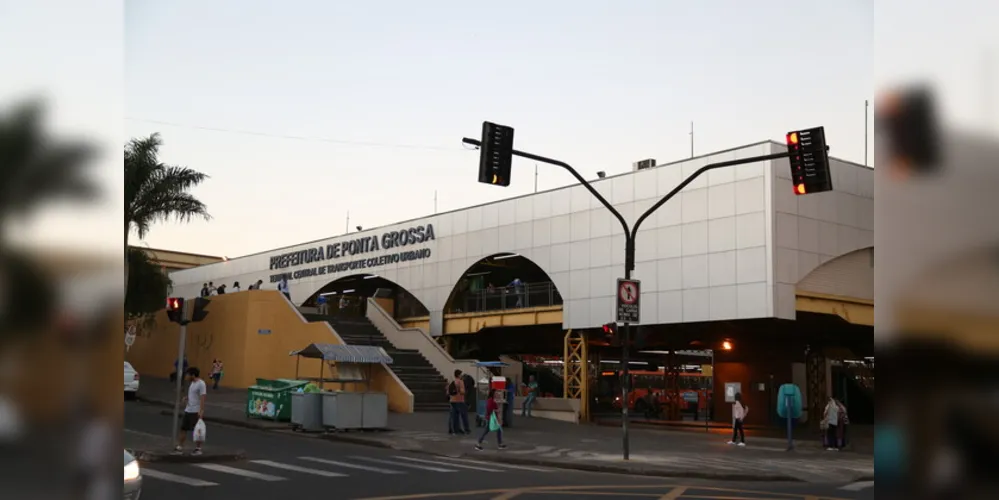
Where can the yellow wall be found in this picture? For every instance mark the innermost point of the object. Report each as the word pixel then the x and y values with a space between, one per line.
pixel 232 333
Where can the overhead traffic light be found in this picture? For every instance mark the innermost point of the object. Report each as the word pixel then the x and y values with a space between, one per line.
pixel 610 333
pixel 199 312
pixel 809 158
pixel 175 309
pixel 496 157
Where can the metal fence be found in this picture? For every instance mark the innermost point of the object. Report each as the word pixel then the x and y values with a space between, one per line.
pixel 505 298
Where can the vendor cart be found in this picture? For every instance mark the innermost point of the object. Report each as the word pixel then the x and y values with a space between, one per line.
pixel 341 409
pixel 484 380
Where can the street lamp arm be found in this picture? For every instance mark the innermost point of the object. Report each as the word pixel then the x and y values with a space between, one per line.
pixel 688 180
pixel 584 182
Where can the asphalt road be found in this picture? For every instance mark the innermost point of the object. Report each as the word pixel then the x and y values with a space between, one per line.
pixel 281 465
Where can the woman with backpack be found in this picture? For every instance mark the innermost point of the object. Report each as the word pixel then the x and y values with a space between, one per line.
pixel 494 422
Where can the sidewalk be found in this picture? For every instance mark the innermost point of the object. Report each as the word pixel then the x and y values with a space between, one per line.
pixel 670 453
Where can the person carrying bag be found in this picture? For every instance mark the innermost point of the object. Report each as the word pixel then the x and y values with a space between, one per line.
pixel 495 422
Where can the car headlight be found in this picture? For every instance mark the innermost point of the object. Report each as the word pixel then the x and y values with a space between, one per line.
pixel 132 470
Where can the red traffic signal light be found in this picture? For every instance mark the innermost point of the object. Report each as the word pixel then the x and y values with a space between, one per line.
pixel 610 332
pixel 175 309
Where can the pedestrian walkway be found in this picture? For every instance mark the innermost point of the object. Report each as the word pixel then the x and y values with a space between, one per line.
pixel 205 475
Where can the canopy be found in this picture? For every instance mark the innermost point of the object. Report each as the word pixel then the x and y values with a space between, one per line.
pixel 491 364
pixel 340 353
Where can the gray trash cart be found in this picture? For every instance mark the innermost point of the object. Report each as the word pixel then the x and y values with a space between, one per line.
pixel 340 409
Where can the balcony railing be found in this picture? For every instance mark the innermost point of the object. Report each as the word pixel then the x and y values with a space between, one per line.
pixel 507 298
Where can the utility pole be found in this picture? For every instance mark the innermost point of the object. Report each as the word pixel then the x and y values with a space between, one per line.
pixel 629 247
pixel 180 372
pixel 691 139
pixel 867 113
pixel 346 227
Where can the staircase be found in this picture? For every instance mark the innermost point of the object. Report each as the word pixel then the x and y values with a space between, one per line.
pixel 422 379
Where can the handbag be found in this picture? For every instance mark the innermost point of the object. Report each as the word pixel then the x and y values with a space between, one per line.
pixel 494 424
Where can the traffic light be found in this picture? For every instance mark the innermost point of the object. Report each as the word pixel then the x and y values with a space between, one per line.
pixel 175 309
pixel 610 333
pixel 496 155
pixel 199 312
pixel 809 158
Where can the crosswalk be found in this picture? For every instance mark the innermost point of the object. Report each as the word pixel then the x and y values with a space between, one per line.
pixel 212 474
pixel 858 486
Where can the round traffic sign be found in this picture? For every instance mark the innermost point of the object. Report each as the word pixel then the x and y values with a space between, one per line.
pixel 628 292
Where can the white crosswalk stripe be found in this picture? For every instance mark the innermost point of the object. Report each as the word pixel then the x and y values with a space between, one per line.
pixel 239 472
pixel 401 464
pixel 460 466
pixel 174 478
pixel 496 464
pixel 296 468
pixel 858 486
pixel 349 465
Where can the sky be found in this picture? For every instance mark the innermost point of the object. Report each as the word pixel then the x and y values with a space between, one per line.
pixel 302 112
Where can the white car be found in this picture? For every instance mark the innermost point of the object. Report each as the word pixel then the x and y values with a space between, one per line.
pixel 131 381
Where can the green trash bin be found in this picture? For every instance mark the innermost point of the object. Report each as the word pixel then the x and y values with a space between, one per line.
pixel 271 399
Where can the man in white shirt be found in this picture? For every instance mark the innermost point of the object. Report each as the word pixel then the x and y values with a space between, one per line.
pixel 193 411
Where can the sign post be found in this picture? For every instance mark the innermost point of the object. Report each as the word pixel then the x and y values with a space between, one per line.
pixel 180 372
pixel 628 312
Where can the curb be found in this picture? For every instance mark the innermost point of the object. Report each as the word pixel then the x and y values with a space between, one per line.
pixel 638 471
pixel 153 456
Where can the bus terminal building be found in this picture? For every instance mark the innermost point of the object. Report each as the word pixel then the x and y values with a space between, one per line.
pixel 737 274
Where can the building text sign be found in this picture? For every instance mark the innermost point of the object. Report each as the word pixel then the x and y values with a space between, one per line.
pixel 628 303
pixel 392 240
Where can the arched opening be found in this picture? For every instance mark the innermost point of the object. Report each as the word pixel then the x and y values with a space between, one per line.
pixel 501 282
pixel 348 296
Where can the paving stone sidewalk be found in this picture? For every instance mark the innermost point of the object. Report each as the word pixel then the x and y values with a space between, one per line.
pixel 678 453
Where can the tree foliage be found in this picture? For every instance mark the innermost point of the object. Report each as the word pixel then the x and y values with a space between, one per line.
pixel 148 286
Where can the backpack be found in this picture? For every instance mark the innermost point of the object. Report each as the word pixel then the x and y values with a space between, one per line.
pixel 452 389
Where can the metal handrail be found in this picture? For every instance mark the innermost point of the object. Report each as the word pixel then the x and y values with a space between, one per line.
pixel 509 297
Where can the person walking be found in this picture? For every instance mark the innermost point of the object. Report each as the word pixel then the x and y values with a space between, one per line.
pixel 739 412
pixel 216 374
pixel 494 422
pixel 831 419
pixel 532 394
pixel 458 419
pixel 194 410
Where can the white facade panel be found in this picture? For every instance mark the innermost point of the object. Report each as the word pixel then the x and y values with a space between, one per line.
pixel 812 230
pixel 721 249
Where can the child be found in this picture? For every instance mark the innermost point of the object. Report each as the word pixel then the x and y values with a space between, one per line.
pixel 494 422
pixel 739 412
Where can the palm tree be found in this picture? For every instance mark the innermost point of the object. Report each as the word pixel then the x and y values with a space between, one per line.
pixel 155 191
pixel 38 168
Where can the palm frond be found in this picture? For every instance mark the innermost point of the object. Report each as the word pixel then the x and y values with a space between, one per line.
pixel 37 168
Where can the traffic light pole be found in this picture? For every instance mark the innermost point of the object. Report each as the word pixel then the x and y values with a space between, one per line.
pixel 629 249
pixel 180 372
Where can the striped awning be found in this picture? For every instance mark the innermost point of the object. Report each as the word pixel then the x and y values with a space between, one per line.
pixel 367 354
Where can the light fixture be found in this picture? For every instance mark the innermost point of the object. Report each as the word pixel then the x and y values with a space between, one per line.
pixel 507 256
pixel 727 345
pixel 601 174
pixel 348 291
pixel 371 276
pixel 327 294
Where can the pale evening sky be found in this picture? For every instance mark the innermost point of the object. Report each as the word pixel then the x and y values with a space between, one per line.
pixel 360 106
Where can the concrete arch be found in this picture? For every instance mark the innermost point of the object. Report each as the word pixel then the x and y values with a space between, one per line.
pixel 405 303
pixel 499 270
pixel 849 275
